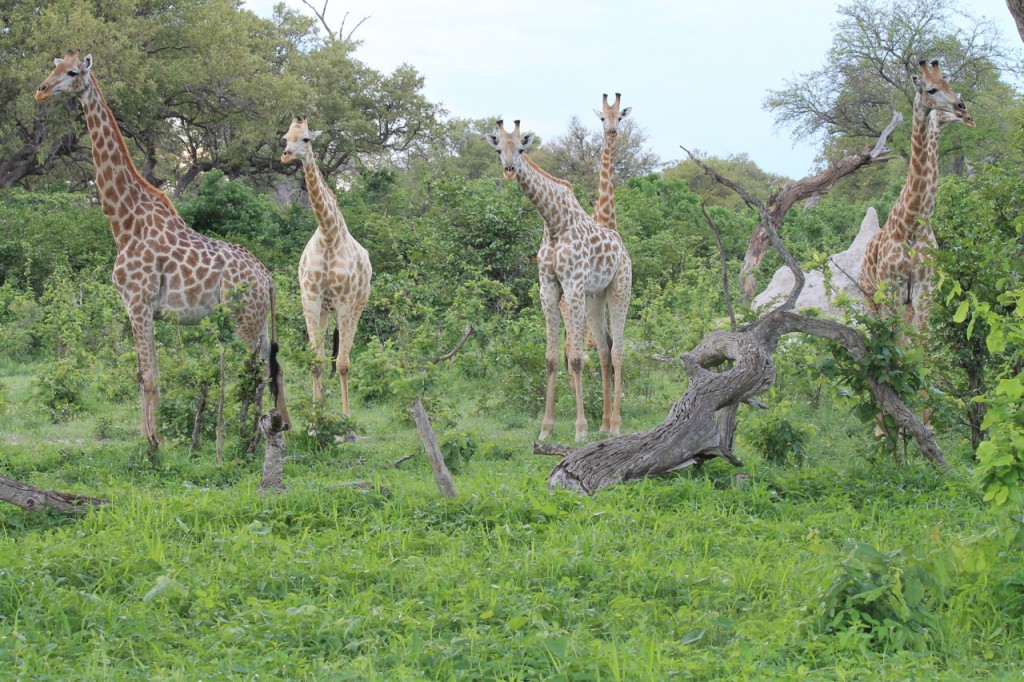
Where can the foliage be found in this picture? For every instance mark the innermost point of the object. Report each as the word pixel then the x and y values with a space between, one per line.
pixel 576 155
pixel 778 437
pixel 253 73
pixel 978 222
pixel 876 47
pixel 1000 470
pixel 886 601
pixel 457 447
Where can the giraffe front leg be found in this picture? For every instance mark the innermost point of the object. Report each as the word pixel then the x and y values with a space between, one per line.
pixel 618 307
pixel 148 375
pixel 347 323
pixel 575 330
pixel 597 331
pixel 316 323
pixel 550 294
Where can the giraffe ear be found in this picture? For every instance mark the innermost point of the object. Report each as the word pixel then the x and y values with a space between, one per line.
pixel 58 61
pixel 313 134
pixel 625 112
pixel 492 139
pixel 86 63
pixel 917 83
pixel 526 140
pixel 600 114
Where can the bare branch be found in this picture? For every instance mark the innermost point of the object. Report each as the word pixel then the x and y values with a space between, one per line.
pixel 725 264
pixel 450 355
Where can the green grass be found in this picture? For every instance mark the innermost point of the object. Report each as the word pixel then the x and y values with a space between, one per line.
pixel 191 574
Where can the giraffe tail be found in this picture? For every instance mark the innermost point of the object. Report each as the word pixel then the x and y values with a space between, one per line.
pixel 275 366
pixel 334 349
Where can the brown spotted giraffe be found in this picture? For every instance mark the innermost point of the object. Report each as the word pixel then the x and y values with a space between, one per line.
pixel 583 263
pixel 896 255
pixel 334 271
pixel 163 267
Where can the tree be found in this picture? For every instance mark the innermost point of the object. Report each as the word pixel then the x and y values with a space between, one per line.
pixel 875 49
pixel 196 85
pixel 576 156
pixel 1016 8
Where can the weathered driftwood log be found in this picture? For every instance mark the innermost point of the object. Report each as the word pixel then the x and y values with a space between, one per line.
pixel 36 499
pixel 690 434
pixel 441 473
pixel 1016 8
pixel 271 426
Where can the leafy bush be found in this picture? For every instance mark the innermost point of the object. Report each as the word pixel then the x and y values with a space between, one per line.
pixel 778 438
pixel 457 447
pixel 885 601
pixel 60 390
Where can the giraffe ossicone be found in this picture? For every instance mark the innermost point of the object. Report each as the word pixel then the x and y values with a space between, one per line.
pixel 334 271
pixel 582 264
pixel 163 267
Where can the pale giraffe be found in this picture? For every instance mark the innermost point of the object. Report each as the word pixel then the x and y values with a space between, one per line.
pixel 583 263
pixel 896 255
pixel 611 117
pixel 604 208
pixel 163 267
pixel 334 271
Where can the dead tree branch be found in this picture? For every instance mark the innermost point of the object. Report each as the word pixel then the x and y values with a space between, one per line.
pixel 272 426
pixel 441 473
pixel 450 355
pixel 551 449
pixel 783 199
pixel 31 498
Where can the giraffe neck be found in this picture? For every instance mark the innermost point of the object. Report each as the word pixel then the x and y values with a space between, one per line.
pixel 604 210
pixel 325 204
pixel 552 197
pixel 909 215
pixel 119 184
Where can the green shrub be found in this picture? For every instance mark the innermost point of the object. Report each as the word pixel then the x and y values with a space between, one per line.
pixel 778 438
pixel 60 390
pixel 886 601
pixel 457 447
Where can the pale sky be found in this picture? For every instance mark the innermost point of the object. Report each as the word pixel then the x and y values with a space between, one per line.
pixel 695 71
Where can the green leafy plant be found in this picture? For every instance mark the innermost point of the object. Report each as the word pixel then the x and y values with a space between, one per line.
pixel 457 447
pixel 886 600
pixel 780 438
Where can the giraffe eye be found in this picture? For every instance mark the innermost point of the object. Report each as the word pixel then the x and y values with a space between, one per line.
pixel 72 73
pixel 933 91
pixel 305 139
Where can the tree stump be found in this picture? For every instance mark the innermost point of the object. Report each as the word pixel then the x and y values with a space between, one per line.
pixel 271 425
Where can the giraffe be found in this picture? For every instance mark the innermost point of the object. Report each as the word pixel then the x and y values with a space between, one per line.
pixel 334 271
pixel 583 263
pixel 896 253
pixel 604 208
pixel 164 269
pixel 611 117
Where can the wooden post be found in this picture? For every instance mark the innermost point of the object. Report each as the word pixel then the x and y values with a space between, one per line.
pixel 441 473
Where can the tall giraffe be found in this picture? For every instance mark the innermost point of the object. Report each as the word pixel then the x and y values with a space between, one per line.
pixel 604 209
pixel 896 253
pixel 163 267
pixel 611 117
pixel 583 263
pixel 334 271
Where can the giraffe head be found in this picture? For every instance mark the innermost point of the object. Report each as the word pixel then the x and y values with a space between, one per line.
pixel 934 92
pixel 297 141
pixel 510 147
pixel 611 116
pixel 70 75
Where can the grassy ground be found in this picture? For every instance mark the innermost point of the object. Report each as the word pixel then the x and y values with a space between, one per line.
pixel 190 574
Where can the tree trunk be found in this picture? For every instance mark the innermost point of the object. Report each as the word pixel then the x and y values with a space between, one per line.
pixel 272 426
pixel 441 473
pixel 36 499
pixel 1016 8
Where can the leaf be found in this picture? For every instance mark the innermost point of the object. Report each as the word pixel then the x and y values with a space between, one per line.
pixel 961 312
pixel 691 637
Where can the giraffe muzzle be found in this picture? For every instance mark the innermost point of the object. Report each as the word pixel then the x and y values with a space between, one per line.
pixel 42 92
pixel 509 172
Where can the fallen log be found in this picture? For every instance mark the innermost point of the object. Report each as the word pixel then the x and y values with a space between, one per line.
pixel 31 498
